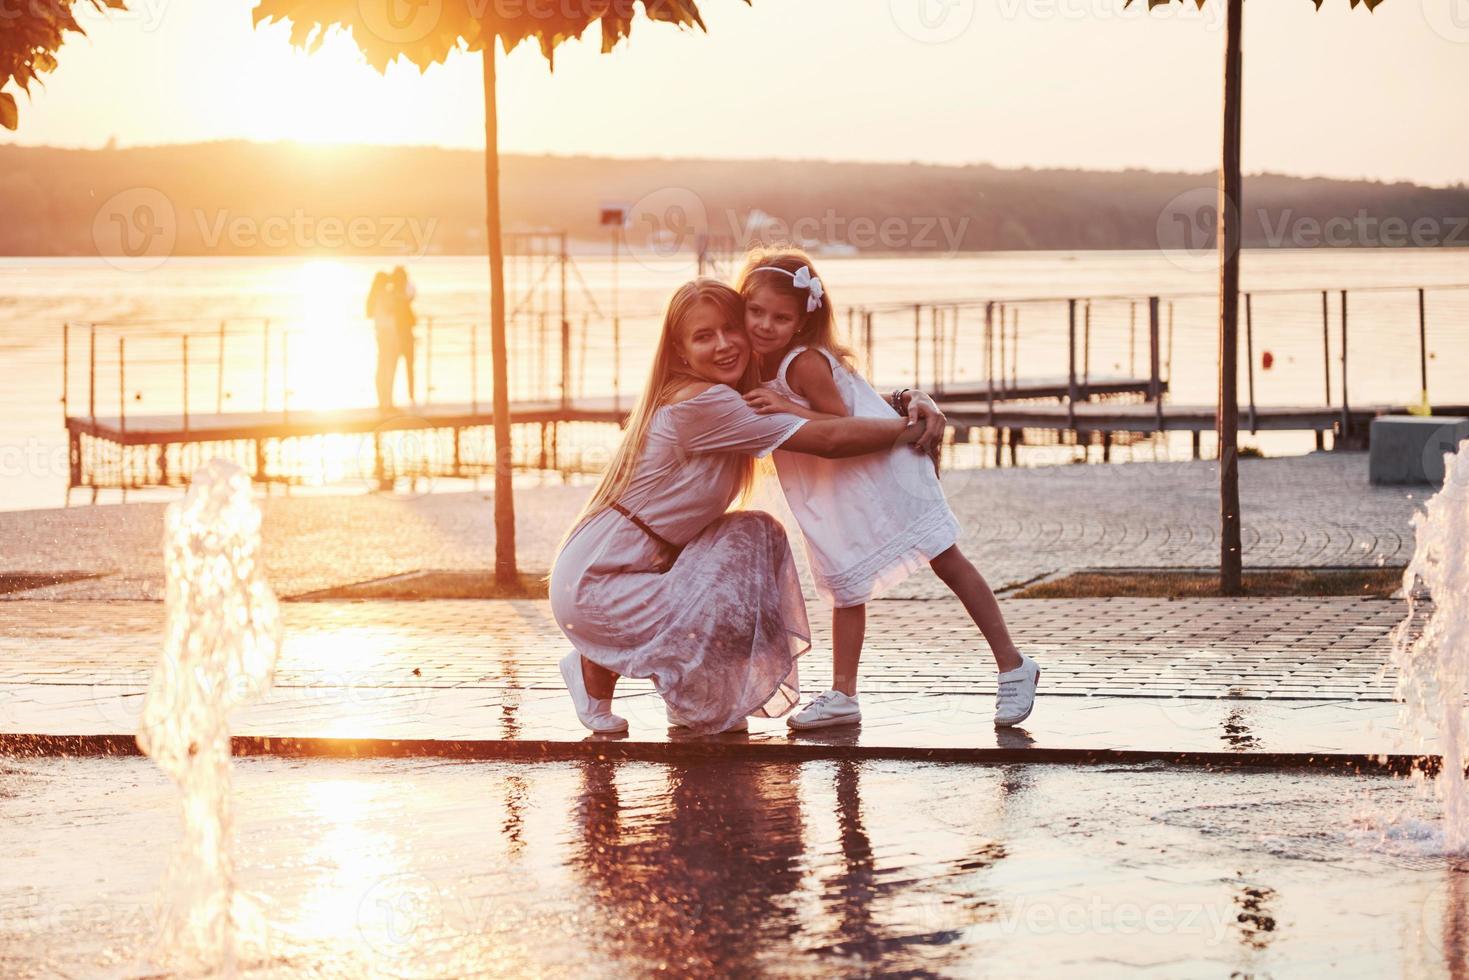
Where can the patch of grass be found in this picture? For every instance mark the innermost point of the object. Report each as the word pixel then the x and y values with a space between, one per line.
pixel 435 585
pixel 1377 583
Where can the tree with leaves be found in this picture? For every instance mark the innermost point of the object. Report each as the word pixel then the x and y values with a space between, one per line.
pixel 1229 213
pixel 30 35
pixel 425 33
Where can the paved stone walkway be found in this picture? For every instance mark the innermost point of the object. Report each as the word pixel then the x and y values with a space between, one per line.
pixel 1235 676
pixel 1315 510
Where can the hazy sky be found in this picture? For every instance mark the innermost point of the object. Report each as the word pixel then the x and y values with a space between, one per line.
pixel 1070 83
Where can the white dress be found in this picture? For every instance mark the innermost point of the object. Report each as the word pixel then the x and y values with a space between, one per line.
pixel 868 521
pixel 719 629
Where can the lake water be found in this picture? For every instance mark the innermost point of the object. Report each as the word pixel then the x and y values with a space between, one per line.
pixel 294 334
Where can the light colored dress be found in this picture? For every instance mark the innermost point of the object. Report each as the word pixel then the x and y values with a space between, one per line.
pixel 719 631
pixel 870 521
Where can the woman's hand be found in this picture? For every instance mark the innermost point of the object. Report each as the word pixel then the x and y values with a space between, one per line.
pixel 922 410
pixel 767 402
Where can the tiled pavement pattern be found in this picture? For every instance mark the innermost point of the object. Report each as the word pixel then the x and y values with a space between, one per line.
pixel 1284 675
pixel 1315 510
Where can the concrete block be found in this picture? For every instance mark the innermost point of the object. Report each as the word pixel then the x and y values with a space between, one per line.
pixel 1410 448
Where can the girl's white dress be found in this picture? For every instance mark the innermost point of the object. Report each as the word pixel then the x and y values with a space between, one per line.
pixel 719 629
pixel 869 521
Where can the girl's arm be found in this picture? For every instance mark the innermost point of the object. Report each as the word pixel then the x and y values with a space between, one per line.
pixel 766 402
pixel 840 438
pixel 810 377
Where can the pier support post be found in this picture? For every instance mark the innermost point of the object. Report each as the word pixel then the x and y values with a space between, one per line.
pixel 989 358
pixel 867 329
pixel 1422 349
pixel 917 342
pixel 1250 356
pixel 1155 376
pixel 1346 418
pixel 1071 364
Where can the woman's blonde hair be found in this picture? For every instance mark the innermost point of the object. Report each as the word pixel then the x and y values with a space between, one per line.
pixel 669 374
pixel 819 326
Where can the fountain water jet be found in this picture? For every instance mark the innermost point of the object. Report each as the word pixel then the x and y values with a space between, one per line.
pixel 1433 669
pixel 222 637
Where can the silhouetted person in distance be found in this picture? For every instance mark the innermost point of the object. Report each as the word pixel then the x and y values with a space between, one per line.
pixel 403 294
pixel 382 311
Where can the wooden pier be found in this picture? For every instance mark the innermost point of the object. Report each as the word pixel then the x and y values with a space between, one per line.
pixel 966 354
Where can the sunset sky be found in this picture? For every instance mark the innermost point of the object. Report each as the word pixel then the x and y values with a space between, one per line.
pixel 1045 83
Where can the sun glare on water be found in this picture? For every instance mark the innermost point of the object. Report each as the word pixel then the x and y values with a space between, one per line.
pixel 332 357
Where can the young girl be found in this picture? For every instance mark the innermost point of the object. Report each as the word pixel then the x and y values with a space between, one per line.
pixel 868 521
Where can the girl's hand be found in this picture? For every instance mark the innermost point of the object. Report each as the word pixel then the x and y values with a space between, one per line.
pixel 766 402
pixel 922 409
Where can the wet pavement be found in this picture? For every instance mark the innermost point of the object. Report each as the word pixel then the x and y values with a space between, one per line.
pixel 832 868
pixel 1163 678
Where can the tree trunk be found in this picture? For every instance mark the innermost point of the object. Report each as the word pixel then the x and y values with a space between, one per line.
pixel 505 570
pixel 1230 215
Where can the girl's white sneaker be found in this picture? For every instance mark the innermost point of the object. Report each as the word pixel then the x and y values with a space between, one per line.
pixel 1015 698
pixel 827 710
pixel 594 713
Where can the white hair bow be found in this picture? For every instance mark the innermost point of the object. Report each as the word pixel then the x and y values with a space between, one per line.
pixel 802 279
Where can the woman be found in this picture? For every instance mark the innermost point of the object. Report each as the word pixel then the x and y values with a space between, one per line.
pixel 655 579
pixel 404 320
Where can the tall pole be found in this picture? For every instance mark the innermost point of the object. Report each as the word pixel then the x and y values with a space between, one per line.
pixel 1230 213
pixel 505 570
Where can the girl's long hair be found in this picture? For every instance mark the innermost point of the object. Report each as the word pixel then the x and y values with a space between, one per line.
pixel 669 374
pixel 819 327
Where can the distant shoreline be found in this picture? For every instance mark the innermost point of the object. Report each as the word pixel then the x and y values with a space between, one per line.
pixel 282 199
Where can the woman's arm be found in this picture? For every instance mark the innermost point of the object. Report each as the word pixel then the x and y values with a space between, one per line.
pixel 840 438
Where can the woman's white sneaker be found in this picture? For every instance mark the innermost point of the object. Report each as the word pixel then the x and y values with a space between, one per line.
pixel 827 710
pixel 594 713
pixel 1015 698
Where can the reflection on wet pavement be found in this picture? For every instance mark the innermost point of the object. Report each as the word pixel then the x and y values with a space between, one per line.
pixel 427 869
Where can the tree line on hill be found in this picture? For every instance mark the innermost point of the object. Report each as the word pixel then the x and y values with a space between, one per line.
pixel 242 198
